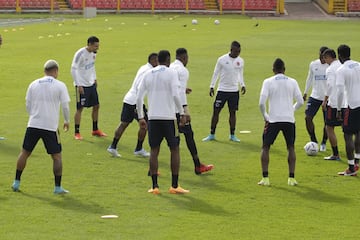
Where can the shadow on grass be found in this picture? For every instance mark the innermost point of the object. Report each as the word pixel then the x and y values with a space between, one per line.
pixel 67 202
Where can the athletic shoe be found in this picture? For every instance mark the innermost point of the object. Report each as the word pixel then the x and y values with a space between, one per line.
pixel 333 157
pixel 78 136
pixel 203 168
pixel 99 133
pixel 179 189
pixel 234 138
pixel 113 152
pixel 154 190
pixel 16 185
pixel 347 172
pixel 2 138
pixel 264 182
pixel 142 153
pixel 292 181
pixel 322 147
pixel 356 167
pixel 60 190
pixel 211 137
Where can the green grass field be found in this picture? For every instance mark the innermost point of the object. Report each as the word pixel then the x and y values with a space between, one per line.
pixel 226 203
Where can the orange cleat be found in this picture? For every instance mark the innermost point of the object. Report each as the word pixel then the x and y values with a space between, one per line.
pixel 99 133
pixel 203 168
pixel 78 136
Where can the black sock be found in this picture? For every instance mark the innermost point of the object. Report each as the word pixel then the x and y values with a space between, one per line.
pixel 18 174
pixel 232 131
pixel 154 180
pixel 313 137
pixel 356 161
pixel 95 125
pixel 77 128
pixel 292 175
pixel 114 143
pixel 212 130
pixel 174 182
pixel 58 181
pixel 139 145
pixel 335 151
pixel 265 174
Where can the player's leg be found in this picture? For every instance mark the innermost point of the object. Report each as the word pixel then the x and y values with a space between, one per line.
pixel 93 101
pixel 325 136
pixel 312 107
pixel 156 135
pixel 288 130
pixel 233 104
pixel 139 150
pixel 80 102
pixel 331 121
pixel 217 106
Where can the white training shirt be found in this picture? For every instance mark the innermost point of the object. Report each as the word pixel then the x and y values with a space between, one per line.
pixel 331 90
pixel 316 79
pixel 130 97
pixel 161 85
pixel 348 80
pixel 183 76
pixel 43 99
pixel 83 68
pixel 280 91
pixel 231 73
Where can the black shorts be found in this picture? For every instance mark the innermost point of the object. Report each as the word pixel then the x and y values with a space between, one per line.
pixel 186 129
pixel 351 120
pixel 90 97
pixel 129 113
pixel 271 130
pixel 330 116
pixel 50 139
pixel 160 129
pixel 312 106
pixel 232 98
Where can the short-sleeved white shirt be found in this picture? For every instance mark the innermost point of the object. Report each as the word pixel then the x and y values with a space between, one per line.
pixel 348 75
pixel 43 99
pixel 183 76
pixel 130 97
pixel 83 68
pixel 316 79
pixel 331 91
pixel 230 73
pixel 280 91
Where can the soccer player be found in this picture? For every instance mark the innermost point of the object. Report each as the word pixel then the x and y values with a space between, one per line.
pixel 43 99
pixel 84 76
pixel 330 102
pixel 183 75
pixel 348 81
pixel 161 85
pixel 229 68
pixel 128 113
pixel 317 80
pixel 280 92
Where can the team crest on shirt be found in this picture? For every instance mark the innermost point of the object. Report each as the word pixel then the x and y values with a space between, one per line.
pixel 238 63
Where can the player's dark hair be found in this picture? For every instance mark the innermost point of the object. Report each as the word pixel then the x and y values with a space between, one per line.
pixel 329 52
pixel 278 66
pixel 163 56
pixel 180 51
pixel 235 44
pixel 151 56
pixel 344 51
pixel 92 40
pixel 322 49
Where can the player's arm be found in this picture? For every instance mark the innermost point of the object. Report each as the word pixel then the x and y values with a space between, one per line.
pixel 262 106
pixel 66 114
pixel 309 82
pixel 299 99
pixel 215 77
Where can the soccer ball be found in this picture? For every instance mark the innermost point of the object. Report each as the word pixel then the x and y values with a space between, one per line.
pixel 217 22
pixel 194 22
pixel 311 148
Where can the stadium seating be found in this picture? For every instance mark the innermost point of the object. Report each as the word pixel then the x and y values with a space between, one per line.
pixel 28 4
pixel 354 5
pixel 249 4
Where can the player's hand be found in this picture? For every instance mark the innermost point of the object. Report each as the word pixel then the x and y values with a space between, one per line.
pixel 81 89
pixel 243 90
pixel 304 96
pixel 211 93
pixel 187 119
pixel 66 127
pixel 188 90
pixel 323 105
pixel 142 123
pixel 182 121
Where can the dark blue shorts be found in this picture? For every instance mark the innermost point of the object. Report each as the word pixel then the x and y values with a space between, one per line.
pixel 312 107
pixel 50 139
pixel 160 129
pixel 90 97
pixel 330 116
pixel 351 120
pixel 271 130
pixel 129 113
pixel 232 98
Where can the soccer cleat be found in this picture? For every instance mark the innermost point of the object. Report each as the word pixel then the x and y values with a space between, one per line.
pixel 347 172
pixel 264 182
pixel 78 136
pixel 113 152
pixel 16 186
pixel 177 190
pixel 60 190
pixel 203 168
pixel 99 133
pixel 292 181
pixel 333 157
pixel 322 147
pixel 234 138
pixel 154 190
pixel 211 137
pixel 142 153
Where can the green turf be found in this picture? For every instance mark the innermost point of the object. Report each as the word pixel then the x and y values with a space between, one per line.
pixel 224 204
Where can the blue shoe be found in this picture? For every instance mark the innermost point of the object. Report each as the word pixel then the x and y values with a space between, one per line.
pixel 234 138
pixel 16 185
pixel 60 190
pixel 211 137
